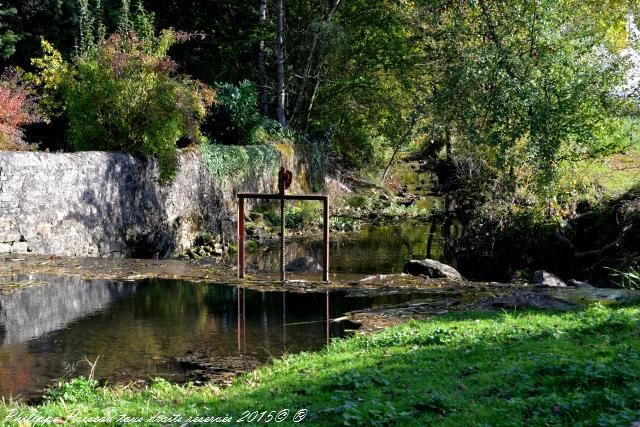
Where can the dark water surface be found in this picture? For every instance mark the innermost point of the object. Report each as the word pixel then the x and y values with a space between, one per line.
pixel 381 249
pixel 138 329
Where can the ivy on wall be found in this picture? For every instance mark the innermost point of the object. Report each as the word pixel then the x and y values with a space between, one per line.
pixel 237 162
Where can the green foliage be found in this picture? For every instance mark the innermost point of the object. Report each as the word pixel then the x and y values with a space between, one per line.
pixel 235 114
pixel 301 215
pixel 239 163
pixel 539 87
pixel 360 201
pixel 8 38
pixel 317 152
pixel 77 390
pixel 236 120
pixel 124 94
pixel 629 278
pixel 53 71
pixel 411 211
pixel 343 223
pixel 376 77
pixel 125 98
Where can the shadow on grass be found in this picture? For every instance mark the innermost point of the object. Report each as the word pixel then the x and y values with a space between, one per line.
pixel 527 368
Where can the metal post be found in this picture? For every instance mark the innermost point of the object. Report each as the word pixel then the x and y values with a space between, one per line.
pixel 282 274
pixel 325 247
pixel 241 237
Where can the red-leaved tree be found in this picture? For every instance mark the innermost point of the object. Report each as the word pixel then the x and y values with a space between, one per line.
pixel 18 107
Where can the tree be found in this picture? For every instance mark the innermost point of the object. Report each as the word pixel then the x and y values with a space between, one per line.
pixel 8 38
pixel 370 80
pixel 262 69
pixel 281 91
pixel 526 85
pixel 17 108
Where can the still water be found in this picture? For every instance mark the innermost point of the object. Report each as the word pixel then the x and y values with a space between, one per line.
pixel 371 250
pixel 141 329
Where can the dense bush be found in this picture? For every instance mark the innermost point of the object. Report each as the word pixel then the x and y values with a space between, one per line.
pixel 236 120
pixel 235 113
pixel 17 108
pixel 123 92
pixel 126 96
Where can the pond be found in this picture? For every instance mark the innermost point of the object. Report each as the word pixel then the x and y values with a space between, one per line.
pixel 147 328
pixel 372 250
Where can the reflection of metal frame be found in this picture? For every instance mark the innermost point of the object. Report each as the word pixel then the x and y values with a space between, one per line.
pixel 242 340
pixel 241 320
pixel 282 197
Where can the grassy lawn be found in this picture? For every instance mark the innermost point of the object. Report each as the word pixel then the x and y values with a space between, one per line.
pixel 498 369
pixel 619 172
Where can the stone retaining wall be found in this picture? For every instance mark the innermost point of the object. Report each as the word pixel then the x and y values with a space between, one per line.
pixel 111 204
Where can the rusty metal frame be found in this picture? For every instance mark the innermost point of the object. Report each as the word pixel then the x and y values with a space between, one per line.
pixel 282 197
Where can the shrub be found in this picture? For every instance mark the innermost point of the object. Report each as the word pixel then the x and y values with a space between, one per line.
pixel 126 96
pixel 235 115
pixel 236 120
pixel 123 93
pixel 17 108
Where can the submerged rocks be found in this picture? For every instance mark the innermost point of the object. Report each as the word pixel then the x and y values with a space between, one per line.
pixel 523 300
pixel 581 285
pixel 304 264
pixel 431 268
pixel 544 278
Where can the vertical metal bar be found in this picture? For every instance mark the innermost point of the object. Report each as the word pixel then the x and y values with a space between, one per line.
pixel 325 247
pixel 284 320
pixel 282 219
pixel 241 237
pixel 238 320
pixel 327 318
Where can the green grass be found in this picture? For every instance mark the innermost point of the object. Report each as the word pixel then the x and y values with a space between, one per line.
pixel 474 369
pixel 617 173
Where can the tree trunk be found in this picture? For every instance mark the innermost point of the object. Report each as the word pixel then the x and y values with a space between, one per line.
pixel 262 69
pixel 306 75
pixel 401 142
pixel 280 60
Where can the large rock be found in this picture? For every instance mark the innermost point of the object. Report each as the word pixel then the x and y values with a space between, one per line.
pixel 304 264
pixel 544 278
pixel 431 268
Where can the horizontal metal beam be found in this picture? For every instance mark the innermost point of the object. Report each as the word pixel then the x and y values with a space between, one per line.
pixel 279 196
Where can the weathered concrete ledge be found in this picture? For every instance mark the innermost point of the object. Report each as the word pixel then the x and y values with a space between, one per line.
pixel 111 204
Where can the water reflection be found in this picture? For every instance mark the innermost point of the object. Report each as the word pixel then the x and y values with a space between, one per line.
pixel 372 250
pixel 141 329
pixel 46 307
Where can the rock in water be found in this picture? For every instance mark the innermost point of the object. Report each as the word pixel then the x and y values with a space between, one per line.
pixel 579 284
pixel 544 278
pixel 304 264
pixel 431 268
pixel 522 300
